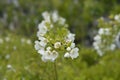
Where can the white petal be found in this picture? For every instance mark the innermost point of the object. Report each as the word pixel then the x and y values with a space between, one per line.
pixel 62 21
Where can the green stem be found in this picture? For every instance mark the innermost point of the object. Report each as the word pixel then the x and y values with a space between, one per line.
pixel 55 71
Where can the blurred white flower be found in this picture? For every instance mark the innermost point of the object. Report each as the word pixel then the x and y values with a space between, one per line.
pixel 117 17
pixel 46 16
pixel 7 56
pixel 96 45
pixel 1 41
pixel 104 31
pixel 7 39
pixel 42 28
pixel 22 40
pixel 29 41
pixel 117 40
pixel 4 78
pixel 71 37
pixel 55 16
pixel 101 31
pixel 112 47
pixel 97 38
pixel 14 47
pixel 9 66
pixel 62 21
pixel 100 52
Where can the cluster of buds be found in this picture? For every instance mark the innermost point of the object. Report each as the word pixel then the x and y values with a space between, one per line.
pixel 54 38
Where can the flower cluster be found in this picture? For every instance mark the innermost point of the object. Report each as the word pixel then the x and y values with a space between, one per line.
pixel 101 43
pixel 108 37
pixel 54 38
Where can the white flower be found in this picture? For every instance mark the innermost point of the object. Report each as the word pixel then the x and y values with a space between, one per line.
pixel 101 31
pixel 74 53
pixel 1 41
pixel 22 40
pixel 9 66
pixel 97 38
pixel 72 45
pixel 107 31
pixel 67 55
pixel 104 31
pixel 7 39
pixel 40 45
pixel 96 45
pixel 37 45
pixel 71 37
pixel 7 56
pixel 100 52
pixel 57 45
pixel 55 16
pixel 41 51
pixel 112 47
pixel 62 21
pixel 46 16
pixel 42 28
pixel 49 55
pixel 14 47
pixel 45 45
pixel 117 40
pixel 28 41
pixel 117 17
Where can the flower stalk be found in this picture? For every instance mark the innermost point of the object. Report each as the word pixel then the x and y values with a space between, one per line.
pixel 55 71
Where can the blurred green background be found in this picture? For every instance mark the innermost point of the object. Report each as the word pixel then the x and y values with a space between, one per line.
pixel 18 26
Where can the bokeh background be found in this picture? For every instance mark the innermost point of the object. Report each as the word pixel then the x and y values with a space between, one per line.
pixel 18 26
